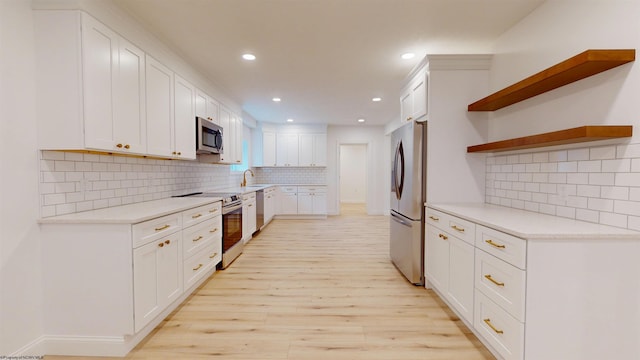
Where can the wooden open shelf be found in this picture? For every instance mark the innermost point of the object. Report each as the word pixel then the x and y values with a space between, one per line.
pixel 569 136
pixel 573 69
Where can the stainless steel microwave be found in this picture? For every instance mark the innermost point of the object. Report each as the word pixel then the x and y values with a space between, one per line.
pixel 209 137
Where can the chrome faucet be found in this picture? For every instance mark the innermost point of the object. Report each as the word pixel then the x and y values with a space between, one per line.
pixel 244 177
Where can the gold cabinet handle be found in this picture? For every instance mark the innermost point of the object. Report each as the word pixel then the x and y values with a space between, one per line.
pixel 198 238
pixel 213 255
pixel 493 280
pixel 238 161
pixel 119 146
pixel 250 205
pixel 197 267
pixel 179 153
pixel 167 242
pixel 196 216
pixel 488 322
pixel 454 227
pixel 490 242
pixel 161 245
pixel 214 230
pixel 434 218
pixel 174 153
pixel 443 236
pixel 409 118
pixel 163 227
pixel 127 146
pixel 213 210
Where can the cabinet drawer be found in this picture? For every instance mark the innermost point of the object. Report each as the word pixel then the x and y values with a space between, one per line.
pixel 288 189
pixel 148 231
pixel 501 282
pixel 501 330
pixel 503 246
pixel 249 196
pixel 312 189
pixel 462 229
pixel 198 265
pixel 200 236
pixel 201 213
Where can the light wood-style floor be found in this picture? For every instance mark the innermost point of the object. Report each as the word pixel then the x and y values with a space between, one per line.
pixel 313 289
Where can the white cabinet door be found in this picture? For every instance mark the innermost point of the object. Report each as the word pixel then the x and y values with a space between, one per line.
pixel 227 136
pixel 160 120
pixel 269 148
pixel 251 226
pixel 170 270
pixel 238 127
pixel 406 106
pixel 100 66
pixel 461 277
pixel 319 206
pixel 269 206
pixel 320 150
pixel 288 203
pixel 287 149
pixel 419 93
pixel 129 111
pixel 245 222
pixel 305 149
pixel 206 107
pixel 437 258
pixel 184 123
pixel 305 203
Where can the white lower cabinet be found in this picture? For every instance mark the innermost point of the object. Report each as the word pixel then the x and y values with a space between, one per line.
pixel 269 204
pixel 312 200
pixel 288 200
pixel 109 282
pixel 249 215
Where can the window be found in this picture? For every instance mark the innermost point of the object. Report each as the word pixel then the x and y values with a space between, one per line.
pixel 245 158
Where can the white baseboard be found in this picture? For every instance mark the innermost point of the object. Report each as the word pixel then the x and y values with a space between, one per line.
pixel 34 348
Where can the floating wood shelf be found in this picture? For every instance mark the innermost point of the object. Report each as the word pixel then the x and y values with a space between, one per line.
pixel 562 137
pixel 573 69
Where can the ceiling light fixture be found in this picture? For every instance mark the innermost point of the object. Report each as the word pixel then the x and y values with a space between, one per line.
pixel 249 57
pixel 360 120
pixel 376 99
pixel 408 56
pixel 276 99
pixel 289 120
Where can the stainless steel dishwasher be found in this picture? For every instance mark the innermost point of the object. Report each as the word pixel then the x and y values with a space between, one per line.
pixel 259 209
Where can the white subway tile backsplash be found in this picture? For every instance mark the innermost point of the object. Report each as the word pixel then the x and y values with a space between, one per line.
pixel 53 199
pixel 595 184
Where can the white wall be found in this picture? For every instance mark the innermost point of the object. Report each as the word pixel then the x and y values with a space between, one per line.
pixel 353 173
pixel 378 165
pixel 20 258
pixel 595 182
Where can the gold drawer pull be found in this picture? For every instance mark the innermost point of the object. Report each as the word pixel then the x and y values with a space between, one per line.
pixel 127 146
pixel 119 146
pixel 493 281
pixel 212 256
pixel 434 218
pixel 213 210
pixel 214 230
pixel 161 245
pixel 490 242
pixel 197 267
pixel 167 242
pixel 488 322
pixel 198 238
pixel 196 216
pixel 454 227
pixel 443 236
pixel 163 227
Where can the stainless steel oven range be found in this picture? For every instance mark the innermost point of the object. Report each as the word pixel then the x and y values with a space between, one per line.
pixel 232 244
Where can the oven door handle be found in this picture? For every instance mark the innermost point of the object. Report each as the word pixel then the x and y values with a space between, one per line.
pixel 231 209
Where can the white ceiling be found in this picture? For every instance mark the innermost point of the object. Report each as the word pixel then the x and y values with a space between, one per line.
pixel 326 59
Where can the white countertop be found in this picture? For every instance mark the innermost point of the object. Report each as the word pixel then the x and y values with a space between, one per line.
pixel 132 213
pixel 531 225
pixel 252 188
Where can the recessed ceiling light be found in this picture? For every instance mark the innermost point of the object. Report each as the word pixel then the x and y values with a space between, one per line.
pixel 360 120
pixel 376 99
pixel 276 99
pixel 408 56
pixel 249 57
pixel 289 120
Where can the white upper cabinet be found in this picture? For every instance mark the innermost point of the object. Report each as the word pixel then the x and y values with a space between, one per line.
pixel 413 100
pixel 90 86
pixel 287 149
pixel 268 148
pixel 160 137
pixel 185 120
pixel 207 107
pixel 227 142
pixel 237 138
pixel 312 150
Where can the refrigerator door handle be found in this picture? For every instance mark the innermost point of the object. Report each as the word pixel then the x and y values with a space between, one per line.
pixel 398 219
pixel 399 162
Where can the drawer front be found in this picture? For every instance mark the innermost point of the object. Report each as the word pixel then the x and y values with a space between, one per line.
pixel 249 196
pixel 198 265
pixel 155 229
pixel 501 330
pixel 201 213
pixel 312 189
pixel 501 282
pixel 503 246
pixel 288 189
pixel 269 190
pixel 460 228
pixel 201 235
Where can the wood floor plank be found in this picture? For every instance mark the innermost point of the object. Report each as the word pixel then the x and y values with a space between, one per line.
pixel 313 289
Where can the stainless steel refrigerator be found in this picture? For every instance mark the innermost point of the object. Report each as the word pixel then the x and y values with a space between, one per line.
pixel 408 195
